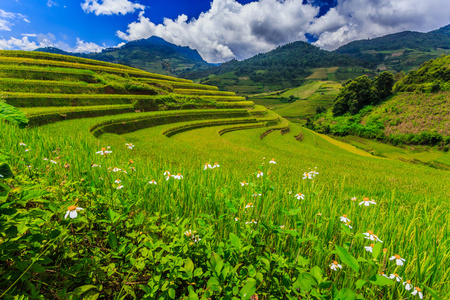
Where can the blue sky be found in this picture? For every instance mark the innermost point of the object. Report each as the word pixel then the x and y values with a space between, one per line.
pixel 219 29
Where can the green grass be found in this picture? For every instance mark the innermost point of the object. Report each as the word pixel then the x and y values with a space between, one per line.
pixel 133 242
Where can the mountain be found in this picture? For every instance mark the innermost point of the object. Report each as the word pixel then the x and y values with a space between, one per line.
pixel 283 67
pixel 401 51
pixel 152 55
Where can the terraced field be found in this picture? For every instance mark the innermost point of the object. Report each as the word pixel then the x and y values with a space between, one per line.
pixel 51 88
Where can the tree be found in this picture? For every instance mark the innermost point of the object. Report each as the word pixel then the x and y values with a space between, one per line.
pixel 383 83
pixel 354 95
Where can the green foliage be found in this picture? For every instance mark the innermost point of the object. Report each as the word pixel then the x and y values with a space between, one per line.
pixel 12 114
pixel 355 94
pixel 433 76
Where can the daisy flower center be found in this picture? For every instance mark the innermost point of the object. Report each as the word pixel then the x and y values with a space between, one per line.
pixel 397 256
pixel 72 207
pixel 370 232
pixel 335 263
pixel 418 289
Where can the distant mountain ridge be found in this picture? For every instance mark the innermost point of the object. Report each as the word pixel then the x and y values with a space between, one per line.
pixel 153 55
pixel 439 38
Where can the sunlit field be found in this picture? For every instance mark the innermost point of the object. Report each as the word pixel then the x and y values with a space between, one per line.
pixel 229 233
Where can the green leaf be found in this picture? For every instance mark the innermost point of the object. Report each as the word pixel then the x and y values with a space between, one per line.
pixel 248 290
pixel 345 294
pixel 376 250
pixel 235 241
pixel 189 267
pixel 112 240
pixel 317 272
pixel 360 283
pixel 347 258
pixel 5 171
pixel 13 115
pixel 381 280
pixel 172 293
pixel 192 293
pixel 83 289
pixel 432 293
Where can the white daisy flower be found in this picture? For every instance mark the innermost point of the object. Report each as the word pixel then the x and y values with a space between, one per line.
pixel 382 274
pixel 72 211
pixel 370 236
pixel 348 224
pixel 166 173
pixel 408 285
pixel 53 162
pixel 353 199
pixel 249 205
pixel 417 291
pixel 260 174
pixel 398 260
pixel 344 219
pixel 251 222
pixel 95 166
pixel 118 181
pixel 152 182
pixel 335 266
pixel 129 146
pixel 119 187
pixel 26 150
pixel 22 144
pixel 206 166
pixel 282 227
pixel 45 159
pixel 273 161
pixel 178 176
pixel 299 196
pixel 369 248
pixel 236 219
pixel 243 183
pixel 216 165
pixel 396 277
pixel 103 151
pixel 367 202
pixel 117 170
pixel 1 176
pixel 307 176
pixel 256 195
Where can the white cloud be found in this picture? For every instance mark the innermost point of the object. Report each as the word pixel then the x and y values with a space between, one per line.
pixel 110 7
pixel 5 16
pixel 231 30
pixel 86 47
pixel 362 19
pixel 33 41
pixel 51 3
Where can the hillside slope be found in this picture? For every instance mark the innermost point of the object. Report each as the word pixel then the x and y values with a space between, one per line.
pixel 152 55
pixel 419 113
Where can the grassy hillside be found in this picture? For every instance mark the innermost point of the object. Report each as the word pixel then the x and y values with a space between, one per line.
pixel 417 114
pixel 201 195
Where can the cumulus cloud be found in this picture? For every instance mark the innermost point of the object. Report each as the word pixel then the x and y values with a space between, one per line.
pixel 110 7
pixel 86 47
pixel 31 42
pixel 361 19
pixel 6 18
pixel 231 30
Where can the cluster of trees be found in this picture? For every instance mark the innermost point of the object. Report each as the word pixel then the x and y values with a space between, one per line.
pixel 362 91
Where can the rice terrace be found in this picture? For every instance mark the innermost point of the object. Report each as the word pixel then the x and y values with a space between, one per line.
pixel 241 180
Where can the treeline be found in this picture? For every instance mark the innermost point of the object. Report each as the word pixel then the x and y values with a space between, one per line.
pixel 362 91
